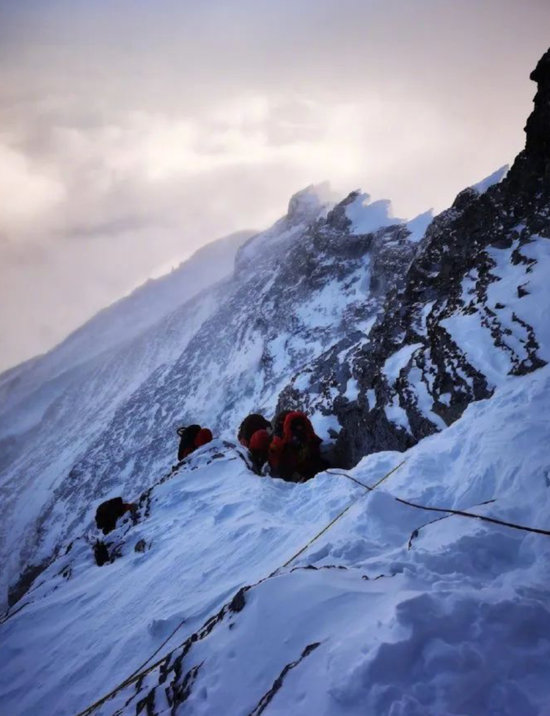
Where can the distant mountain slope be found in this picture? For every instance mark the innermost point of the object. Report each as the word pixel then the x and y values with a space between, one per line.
pixel 112 327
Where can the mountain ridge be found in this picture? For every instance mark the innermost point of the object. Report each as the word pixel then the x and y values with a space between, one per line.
pixel 430 354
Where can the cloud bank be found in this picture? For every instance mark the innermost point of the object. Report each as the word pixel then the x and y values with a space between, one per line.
pixel 131 133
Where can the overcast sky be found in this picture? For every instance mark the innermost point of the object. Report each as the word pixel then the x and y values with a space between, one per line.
pixel 134 131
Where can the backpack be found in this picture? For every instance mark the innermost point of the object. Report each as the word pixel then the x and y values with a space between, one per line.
pixel 250 425
pixel 107 514
pixel 188 436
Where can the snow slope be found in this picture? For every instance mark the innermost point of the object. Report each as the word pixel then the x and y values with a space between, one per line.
pixel 458 624
pixel 297 290
pixel 27 390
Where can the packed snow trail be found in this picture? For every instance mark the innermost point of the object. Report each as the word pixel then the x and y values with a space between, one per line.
pixel 459 624
pixel 147 666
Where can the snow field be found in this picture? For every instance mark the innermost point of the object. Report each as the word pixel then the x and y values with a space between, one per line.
pixel 458 624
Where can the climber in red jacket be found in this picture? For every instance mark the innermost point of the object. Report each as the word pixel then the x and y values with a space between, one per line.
pixel 192 437
pixel 295 455
pixel 255 434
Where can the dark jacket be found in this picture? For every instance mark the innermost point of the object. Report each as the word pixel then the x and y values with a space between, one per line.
pixel 108 513
pixel 295 455
pixel 192 437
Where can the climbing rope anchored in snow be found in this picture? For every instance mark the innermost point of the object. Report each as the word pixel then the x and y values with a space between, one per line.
pixel 141 671
pixel 341 514
pixel 447 511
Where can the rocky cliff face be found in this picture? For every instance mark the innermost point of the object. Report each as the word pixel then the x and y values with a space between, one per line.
pixel 467 314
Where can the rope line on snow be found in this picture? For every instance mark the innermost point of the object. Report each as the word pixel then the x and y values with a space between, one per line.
pixel 142 671
pixel 341 514
pixel 493 520
pixel 127 682
pixel 449 511
pixel 415 533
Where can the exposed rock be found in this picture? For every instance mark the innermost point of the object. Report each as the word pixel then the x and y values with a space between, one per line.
pixel 449 277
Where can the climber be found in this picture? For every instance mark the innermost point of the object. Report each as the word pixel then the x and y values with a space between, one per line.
pixel 279 423
pixel 192 437
pixel 108 513
pixel 250 425
pixel 258 449
pixel 295 454
pixel 255 434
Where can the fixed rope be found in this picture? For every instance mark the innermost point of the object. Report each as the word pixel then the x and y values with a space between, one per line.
pixel 449 511
pixel 341 514
pixel 127 682
pixel 473 515
pixel 141 671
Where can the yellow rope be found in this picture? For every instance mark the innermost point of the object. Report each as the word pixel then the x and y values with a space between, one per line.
pixel 139 673
pixel 341 514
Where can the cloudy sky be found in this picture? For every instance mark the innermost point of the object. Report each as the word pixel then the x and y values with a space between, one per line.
pixel 132 131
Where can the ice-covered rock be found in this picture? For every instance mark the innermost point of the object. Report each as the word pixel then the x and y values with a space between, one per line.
pixel 473 301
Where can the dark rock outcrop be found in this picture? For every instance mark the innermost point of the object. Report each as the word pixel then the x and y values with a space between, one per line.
pixel 450 277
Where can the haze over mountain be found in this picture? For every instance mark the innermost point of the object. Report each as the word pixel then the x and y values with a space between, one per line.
pixel 132 133
pixel 410 579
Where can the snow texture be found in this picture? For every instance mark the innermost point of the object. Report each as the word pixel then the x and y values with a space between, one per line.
pixel 421 354
pixel 398 630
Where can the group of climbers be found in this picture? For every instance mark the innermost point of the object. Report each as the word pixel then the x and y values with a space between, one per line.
pixel 288 449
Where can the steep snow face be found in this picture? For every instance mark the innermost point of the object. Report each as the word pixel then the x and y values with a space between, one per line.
pixel 108 426
pixel 391 611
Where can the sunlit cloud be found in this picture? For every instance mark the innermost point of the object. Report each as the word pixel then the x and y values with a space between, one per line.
pixel 131 133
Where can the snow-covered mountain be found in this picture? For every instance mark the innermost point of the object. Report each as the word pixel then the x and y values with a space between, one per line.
pixel 457 624
pixel 430 337
pixel 27 390
pixel 108 425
